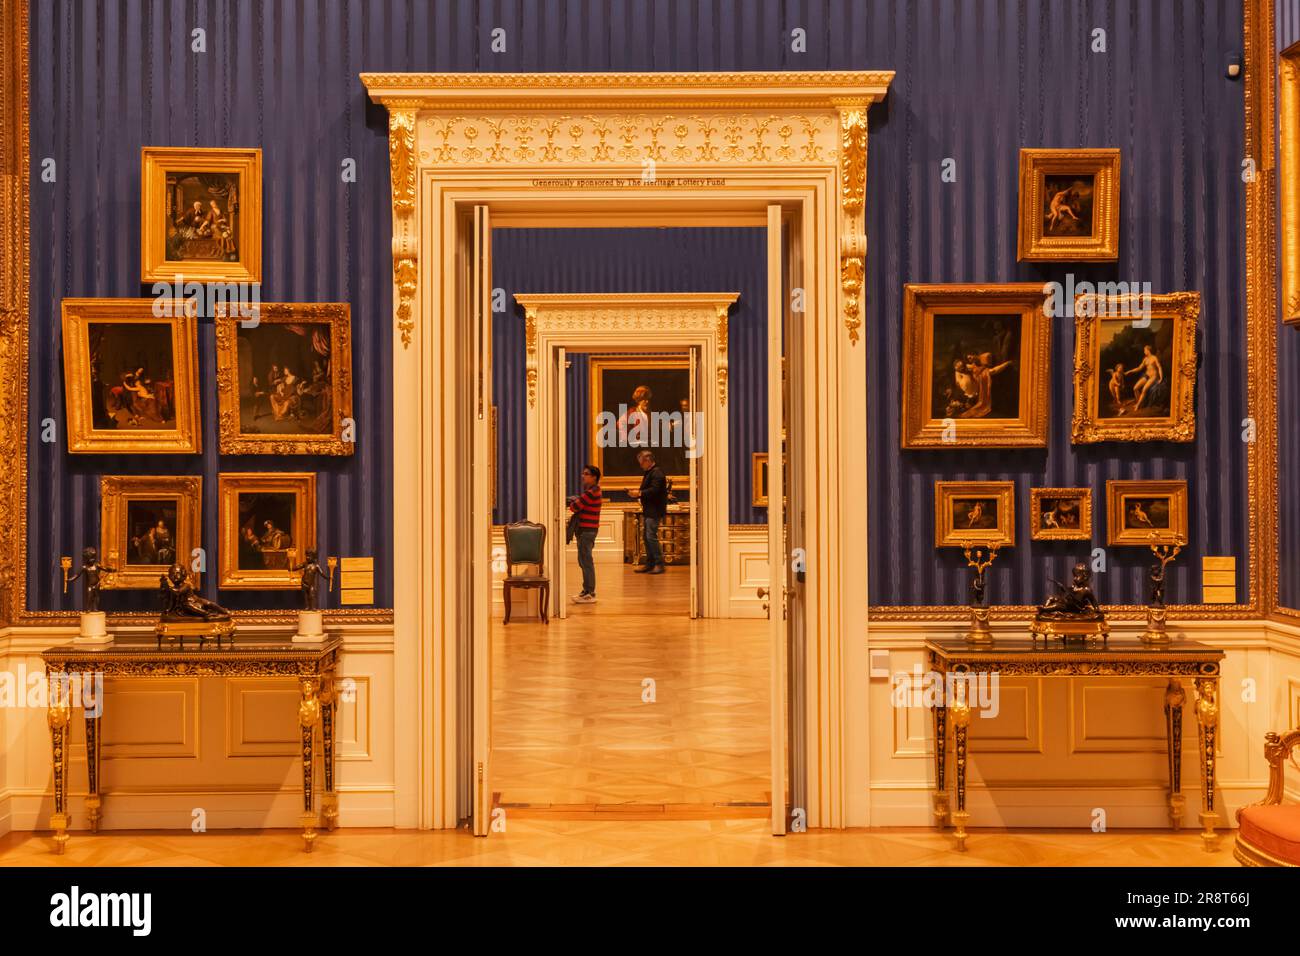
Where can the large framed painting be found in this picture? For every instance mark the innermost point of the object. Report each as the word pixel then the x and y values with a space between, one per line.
pixel 968 513
pixel 200 214
pixel 1143 513
pixel 1060 514
pixel 130 376
pixel 639 403
pixel 268 523
pixel 147 524
pixel 975 366
pixel 284 382
pixel 1135 367
pixel 1069 205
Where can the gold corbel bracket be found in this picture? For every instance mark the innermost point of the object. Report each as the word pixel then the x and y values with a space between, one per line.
pixel 530 354
pixel 722 355
pixel 401 157
pixel 406 280
pixel 853 188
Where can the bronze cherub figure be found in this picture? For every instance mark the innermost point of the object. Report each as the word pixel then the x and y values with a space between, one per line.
pixel 91 583
pixel 180 602
pixel 1073 612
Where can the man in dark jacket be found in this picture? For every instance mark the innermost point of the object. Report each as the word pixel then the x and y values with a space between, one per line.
pixel 653 495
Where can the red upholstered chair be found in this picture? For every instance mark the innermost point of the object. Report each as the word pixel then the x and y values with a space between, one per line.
pixel 1268 832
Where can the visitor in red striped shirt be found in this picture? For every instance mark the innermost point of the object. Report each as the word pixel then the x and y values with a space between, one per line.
pixel 587 508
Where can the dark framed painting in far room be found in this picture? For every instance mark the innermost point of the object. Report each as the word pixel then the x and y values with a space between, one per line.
pixel 976 366
pixel 284 381
pixel 1135 367
pixel 647 400
pixel 200 214
pixel 974 513
pixel 1069 205
pixel 130 376
pixel 147 524
pixel 1142 513
pixel 267 524
pixel 1060 514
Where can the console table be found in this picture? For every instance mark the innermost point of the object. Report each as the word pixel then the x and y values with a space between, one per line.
pixel 960 664
pixel 314 665
pixel 674 537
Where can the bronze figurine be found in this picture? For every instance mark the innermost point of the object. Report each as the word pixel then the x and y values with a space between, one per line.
pixel 90 573
pixel 1072 602
pixel 180 602
pixel 312 575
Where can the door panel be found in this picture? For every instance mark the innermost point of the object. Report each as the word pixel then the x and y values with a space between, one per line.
pixel 481 516
pixel 776 546
pixel 694 463
pixel 559 563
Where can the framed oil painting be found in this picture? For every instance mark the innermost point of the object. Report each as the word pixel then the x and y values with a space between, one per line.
pixel 268 523
pixel 1060 514
pixel 1069 205
pixel 284 383
pixel 647 399
pixel 1144 513
pixel 975 366
pixel 1135 367
pixel 974 513
pixel 758 479
pixel 130 376
pixel 147 524
pixel 200 214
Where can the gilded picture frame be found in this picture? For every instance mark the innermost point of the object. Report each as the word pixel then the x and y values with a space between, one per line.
pixel 758 479
pixel 976 366
pixel 130 376
pixel 1141 513
pixel 280 511
pixel 304 410
pixel 147 523
pixel 1288 180
pixel 1060 514
pixel 619 471
pixel 200 214
pixel 1069 205
pixel 1155 398
pixel 987 509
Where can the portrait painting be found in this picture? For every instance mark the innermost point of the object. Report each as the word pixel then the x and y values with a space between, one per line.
pixel 640 403
pixel 1069 205
pixel 975 366
pixel 1146 512
pixel 201 214
pixel 1135 367
pixel 130 376
pixel 970 513
pixel 268 523
pixel 1060 514
pixel 284 382
pixel 147 524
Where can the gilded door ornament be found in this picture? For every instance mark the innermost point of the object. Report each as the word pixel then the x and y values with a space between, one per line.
pixel 853 187
pixel 530 348
pixel 853 160
pixel 406 280
pixel 401 156
pixel 722 355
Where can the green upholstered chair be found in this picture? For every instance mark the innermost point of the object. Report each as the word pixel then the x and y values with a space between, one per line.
pixel 1268 832
pixel 526 545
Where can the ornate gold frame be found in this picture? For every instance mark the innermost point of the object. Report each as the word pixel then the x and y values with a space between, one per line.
pixel 921 303
pixel 1089 312
pixel 1119 490
pixel 1288 124
pixel 1036 530
pixel 229 487
pixel 83 437
pixel 758 479
pixel 946 536
pixel 596 390
pixel 235 442
pixel 116 492
pixel 1103 245
pixel 155 163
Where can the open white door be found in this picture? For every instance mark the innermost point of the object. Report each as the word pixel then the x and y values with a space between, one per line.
pixel 777 561
pixel 694 463
pixel 480 320
pixel 559 556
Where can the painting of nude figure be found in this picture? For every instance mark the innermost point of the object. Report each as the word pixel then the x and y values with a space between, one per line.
pixel 976 366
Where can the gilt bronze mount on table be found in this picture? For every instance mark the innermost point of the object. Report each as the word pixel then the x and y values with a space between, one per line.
pixel 1156 631
pixel 978 558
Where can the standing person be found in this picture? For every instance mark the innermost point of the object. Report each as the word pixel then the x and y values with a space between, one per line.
pixel 653 495
pixel 587 507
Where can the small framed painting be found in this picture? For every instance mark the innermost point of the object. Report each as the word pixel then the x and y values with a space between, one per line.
pixel 975 366
pixel 1144 513
pixel 268 523
pixel 1060 514
pixel 200 214
pixel 758 479
pixel 130 376
pixel 648 400
pixel 1135 367
pixel 284 382
pixel 147 524
pixel 1069 205
pixel 974 513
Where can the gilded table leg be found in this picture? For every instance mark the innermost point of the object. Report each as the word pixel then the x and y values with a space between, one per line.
pixel 309 710
pixel 1175 696
pixel 93 703
pixel 59 717
pixel 940 756
pixel 329 799
pixel 960 724
pixel 1207 716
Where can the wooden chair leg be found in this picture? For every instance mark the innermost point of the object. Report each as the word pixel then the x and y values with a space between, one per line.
pixel 505 590
pixel 546 604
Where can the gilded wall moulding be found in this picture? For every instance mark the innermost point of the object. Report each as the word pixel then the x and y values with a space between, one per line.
pixel 722 355
pixel 530 350
pixel 852 274
pixel 406 278
pixel 853 161
pixel 401 157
